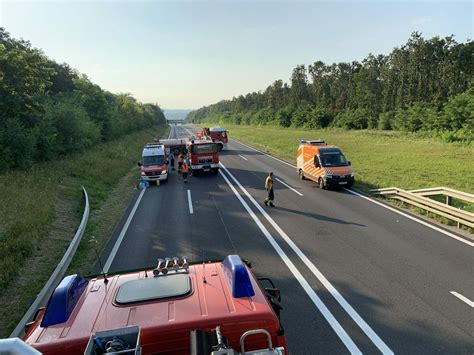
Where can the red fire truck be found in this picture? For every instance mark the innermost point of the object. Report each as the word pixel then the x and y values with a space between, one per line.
pixel 176 307
pixel 203 155
pixel 218 134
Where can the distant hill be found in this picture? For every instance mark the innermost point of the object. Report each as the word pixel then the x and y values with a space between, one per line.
pixel 178 114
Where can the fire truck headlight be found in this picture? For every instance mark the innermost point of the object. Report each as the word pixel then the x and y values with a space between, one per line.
pixel 143 173
pixel 163 172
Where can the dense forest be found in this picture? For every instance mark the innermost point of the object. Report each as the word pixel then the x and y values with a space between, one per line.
pixel 424 86
pixel 49 109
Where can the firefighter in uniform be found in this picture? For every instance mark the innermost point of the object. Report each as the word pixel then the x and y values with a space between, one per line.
pixel 185 171
pixel 269 188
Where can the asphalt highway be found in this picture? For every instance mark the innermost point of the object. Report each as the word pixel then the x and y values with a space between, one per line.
pixel 355 276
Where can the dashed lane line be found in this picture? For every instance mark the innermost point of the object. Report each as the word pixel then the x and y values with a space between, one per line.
pixel 288 186
pixel 462 298
pixel 190 202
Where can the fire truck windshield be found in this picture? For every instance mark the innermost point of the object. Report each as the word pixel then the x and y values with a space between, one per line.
pixel 203 148
pixel 154 160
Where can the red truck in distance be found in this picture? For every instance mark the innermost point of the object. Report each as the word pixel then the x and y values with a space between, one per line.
pixel 218 134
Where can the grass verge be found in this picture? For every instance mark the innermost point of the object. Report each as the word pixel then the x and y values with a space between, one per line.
pixel 42 207
pixel 379 158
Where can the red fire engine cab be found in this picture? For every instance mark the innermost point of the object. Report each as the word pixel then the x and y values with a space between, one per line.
pixel 217 134
pixel 203 155
pixel 176 308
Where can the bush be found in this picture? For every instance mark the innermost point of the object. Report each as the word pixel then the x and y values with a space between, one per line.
pixel 284 117
pixel 418 116
pixel 386 120
pixel 74 131
pixel 319 118
pixel 301 115
pixel 352 119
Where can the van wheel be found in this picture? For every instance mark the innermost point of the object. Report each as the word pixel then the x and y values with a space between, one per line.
pixel 301 174
pixel 321 184
pixel 220 147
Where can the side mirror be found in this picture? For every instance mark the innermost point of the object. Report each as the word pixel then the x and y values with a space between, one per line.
pixel 139 164
pixel 316 163
pixel 349 162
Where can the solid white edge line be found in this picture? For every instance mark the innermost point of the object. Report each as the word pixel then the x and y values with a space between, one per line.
pixel 335 325
pixel 378 342
pixel 291 188
pixel 462 298
pixel 244 158
pixel 190 202
pixel 426 224
pixel 451 235
pixel 112 254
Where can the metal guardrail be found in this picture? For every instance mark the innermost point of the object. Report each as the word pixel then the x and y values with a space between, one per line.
pixel 418 198
pixel 57 274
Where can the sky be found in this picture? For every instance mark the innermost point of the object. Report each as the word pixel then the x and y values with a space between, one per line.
pixel 187 54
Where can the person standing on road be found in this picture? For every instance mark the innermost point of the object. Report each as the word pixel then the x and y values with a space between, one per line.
pixel 172 161
pixel 269 188
pixel 185 171
pixel 180 161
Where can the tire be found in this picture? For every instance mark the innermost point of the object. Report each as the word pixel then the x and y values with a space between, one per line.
pixel 301 174
pixel 220 147
pixel 176 151
pixel 321 184
pixel 215 171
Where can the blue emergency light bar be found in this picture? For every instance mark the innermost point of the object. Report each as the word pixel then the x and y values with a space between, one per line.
pixel 63 300
pixel 238 277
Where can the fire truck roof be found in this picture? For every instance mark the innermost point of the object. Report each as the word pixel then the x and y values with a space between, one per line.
pixel 223 293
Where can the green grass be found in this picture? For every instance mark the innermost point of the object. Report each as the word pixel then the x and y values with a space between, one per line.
pixel 379 158
pixel 42 207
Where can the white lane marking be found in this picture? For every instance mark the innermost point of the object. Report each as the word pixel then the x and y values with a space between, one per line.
pixel 335 325
pixel 378 342
pixel 377 202
pixel 190 202
pixel 291 188
pixel 244 158
pixel 454 236
pixel 462 298
pixel 268 155
pixel 112 254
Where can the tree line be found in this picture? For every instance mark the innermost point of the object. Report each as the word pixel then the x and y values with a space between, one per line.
pixel 423 86
pixel 49 109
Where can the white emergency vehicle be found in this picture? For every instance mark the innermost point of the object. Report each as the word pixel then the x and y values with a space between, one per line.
pixel 154 165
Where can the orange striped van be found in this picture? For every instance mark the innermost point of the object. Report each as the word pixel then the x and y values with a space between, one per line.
pixel 324 164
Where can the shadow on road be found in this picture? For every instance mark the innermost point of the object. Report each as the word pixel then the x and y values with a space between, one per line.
pixel 318 216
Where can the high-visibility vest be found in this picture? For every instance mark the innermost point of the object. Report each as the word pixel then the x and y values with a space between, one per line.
pixel 185 168
pixel 268 183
